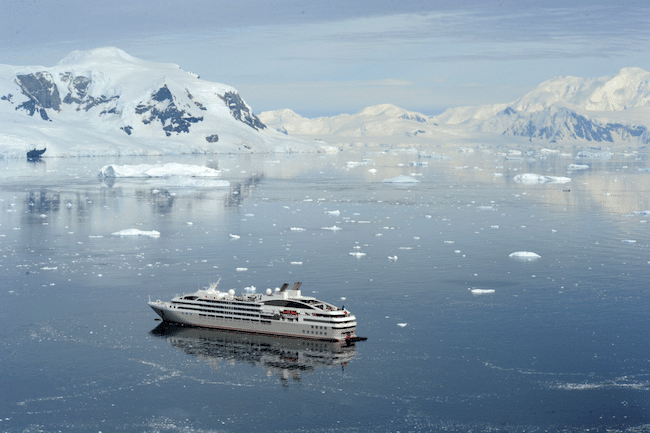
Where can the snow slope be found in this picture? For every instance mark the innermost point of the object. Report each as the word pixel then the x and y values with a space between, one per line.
pixel 106 102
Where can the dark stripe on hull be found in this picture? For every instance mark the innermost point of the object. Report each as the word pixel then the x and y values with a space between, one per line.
pixel 245 331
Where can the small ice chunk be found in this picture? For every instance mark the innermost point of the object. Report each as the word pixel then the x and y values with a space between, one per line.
pixel 531 179
pixel 241 269
pixel 333 212
pixel 136 232
pixel 401 179
pixel 392 258
pixel 333 228
pixel 298 229
pixel 401 325
pixel 296 263
pixel 525 255
pixel 629 241
pixel 357 254
pixel 481 291
pixel 234 236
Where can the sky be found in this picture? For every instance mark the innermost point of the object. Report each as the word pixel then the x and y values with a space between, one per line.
pixel 321 58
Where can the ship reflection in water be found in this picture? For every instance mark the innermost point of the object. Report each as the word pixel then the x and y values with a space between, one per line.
pixel 288 358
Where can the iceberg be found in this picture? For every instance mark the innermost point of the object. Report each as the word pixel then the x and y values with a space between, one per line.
pixel 157 170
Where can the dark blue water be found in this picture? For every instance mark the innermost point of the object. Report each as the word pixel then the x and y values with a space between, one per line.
pixel 561 345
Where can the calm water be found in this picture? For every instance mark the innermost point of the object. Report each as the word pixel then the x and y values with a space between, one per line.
pixel 561 345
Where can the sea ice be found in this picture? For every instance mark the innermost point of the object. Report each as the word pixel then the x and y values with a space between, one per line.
pixel 401 179
pixel 136 232
pixel 402 324
pixel 357 254
pixel 577 167
pixel 333 228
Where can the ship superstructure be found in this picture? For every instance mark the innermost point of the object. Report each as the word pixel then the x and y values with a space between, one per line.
pixel 283 312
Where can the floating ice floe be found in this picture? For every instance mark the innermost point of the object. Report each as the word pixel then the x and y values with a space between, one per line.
pixel 235 236
pixel 241 269
pixel 333 228
pixel 158 170
pixel 629 241
pixel 357 254
pixel 136 232
pixel 298 229
pixel 392 258
pixel 402 324
pixel 525 255
pixel 481 291
pixel 577 167
pixel 401 179
pixel 333 212
pixel 47 268
pixel 531 178
pixel 644 170
pixel 593 155
pixel 296 263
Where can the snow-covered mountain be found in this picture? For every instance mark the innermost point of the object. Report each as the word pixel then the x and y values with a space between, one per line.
pixel 609 110
pixel 380 125
pixel 106 102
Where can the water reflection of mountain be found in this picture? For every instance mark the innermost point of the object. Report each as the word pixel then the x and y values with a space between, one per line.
pixel 288 358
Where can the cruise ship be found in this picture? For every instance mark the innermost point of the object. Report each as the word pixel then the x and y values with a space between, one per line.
pixel 284 312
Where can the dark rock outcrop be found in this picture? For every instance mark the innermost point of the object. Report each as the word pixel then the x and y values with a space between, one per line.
pixel 41 91
pixel 162 107
pixel 212 138
pixel 240 110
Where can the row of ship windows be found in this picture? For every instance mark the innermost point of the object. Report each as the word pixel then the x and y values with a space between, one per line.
pixel 225 307
pixel 313 332
pixel 265 322
pixel 222 312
